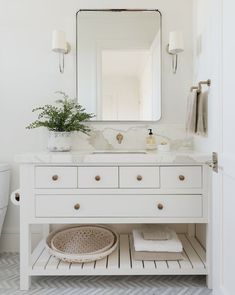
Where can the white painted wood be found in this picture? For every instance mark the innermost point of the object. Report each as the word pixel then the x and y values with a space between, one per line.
pixel 119 262
pixel 113 259
pixel 63 266
pixel 161 265
pixel 136 264
pixel 119 220
pixel 108 202
pixel 148 177
pixel 119 206
pixel 170 177
pixel 102 263
pixel 198 248
pixel 125 257
pixel 173 264
pixel 192 230
pixel 108 177
pixel 76 267
pixel 67 177
pixel 45 230
pixel 120 191
pixel 150 265
pixel 191 253
pixel 186 263
pixel 26 205
pixel 52 263
pixel 223 201
pixel 37 252
pixel 42 260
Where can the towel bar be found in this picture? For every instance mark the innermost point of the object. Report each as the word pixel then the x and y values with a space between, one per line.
pixel 199 87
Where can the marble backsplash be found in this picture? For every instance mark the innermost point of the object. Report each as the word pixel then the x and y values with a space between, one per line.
pixel 103 137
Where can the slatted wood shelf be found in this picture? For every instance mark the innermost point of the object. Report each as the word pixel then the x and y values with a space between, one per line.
pixel 121 262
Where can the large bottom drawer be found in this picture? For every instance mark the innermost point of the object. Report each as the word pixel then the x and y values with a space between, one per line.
pixel 118 206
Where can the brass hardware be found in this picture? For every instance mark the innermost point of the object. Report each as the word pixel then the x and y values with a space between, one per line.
pixel 139 177
pixel 17 197
pixel 77 206
pixel 181 177
pixel 119 138
pixel 97 178
pixel 55 177
pixel 160 206
pixel 214 162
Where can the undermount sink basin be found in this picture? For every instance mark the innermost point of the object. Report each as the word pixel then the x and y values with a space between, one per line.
pixel 118 152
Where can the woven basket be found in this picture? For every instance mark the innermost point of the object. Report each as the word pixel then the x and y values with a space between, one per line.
pixel 78 244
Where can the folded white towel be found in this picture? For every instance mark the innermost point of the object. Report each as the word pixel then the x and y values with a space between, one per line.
pixel 156 232
pixel 191 114
pixel 171 245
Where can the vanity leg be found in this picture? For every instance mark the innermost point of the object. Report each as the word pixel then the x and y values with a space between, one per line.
pixel 209 278
pixel 25 256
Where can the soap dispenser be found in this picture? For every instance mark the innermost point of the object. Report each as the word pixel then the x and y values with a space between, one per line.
pixel 150 141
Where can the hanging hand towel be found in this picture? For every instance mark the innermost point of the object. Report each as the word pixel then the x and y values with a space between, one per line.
pixel 202 113
pixel 191 114
pixel 156 232
pixel 171 245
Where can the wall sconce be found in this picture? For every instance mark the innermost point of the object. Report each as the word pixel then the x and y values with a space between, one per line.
pixel 60 46
pixel 175 46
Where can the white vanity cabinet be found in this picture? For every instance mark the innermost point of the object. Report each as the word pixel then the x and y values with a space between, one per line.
pixel 120 193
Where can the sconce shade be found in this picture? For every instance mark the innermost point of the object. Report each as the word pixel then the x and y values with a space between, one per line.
pixel 59 43
pixel 176 42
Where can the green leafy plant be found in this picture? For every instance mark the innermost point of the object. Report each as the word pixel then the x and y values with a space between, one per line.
pixel 68 116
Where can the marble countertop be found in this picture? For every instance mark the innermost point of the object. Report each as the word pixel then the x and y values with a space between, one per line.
pixel 114 157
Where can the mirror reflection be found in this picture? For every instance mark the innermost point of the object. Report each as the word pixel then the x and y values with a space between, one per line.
pixel 119 64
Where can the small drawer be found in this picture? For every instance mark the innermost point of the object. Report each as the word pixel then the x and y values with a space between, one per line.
pixel 56 177
pixel 103 206
pixel 139 177
pixel 188 206
pixel 181 177
pixel 98 177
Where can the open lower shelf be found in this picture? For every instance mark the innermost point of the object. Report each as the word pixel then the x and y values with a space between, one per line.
pixel 120 262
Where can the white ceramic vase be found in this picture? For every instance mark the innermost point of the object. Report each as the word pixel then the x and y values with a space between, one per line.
pixel 59 141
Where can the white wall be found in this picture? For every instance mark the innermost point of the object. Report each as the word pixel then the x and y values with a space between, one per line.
pixel 29 73
pixel 206 64
pixel 120 98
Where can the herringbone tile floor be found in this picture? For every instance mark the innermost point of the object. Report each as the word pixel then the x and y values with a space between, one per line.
pixel 131 285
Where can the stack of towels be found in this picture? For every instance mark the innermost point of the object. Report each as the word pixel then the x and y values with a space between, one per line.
pixel 156 242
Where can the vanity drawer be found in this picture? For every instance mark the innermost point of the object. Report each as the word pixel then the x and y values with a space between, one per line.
pixel 181 177
pixel 98 177
pixel 118 206
pixel 139 177
pixel 56 177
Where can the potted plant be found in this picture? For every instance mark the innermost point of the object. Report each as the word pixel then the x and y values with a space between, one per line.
pixel 61 121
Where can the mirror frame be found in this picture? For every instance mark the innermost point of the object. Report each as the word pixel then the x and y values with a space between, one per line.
pixel 77 63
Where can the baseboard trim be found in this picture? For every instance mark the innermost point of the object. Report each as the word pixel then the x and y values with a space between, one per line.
pixel 10 242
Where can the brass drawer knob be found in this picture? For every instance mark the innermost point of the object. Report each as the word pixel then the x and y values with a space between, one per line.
pixel 17 197
pixel 160 206
pixel 55 177
pixel 97 178
pixel 77 206
pixel 139 177
pixel 181 177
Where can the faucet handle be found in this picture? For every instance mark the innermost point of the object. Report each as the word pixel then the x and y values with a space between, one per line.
pixel 119 138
